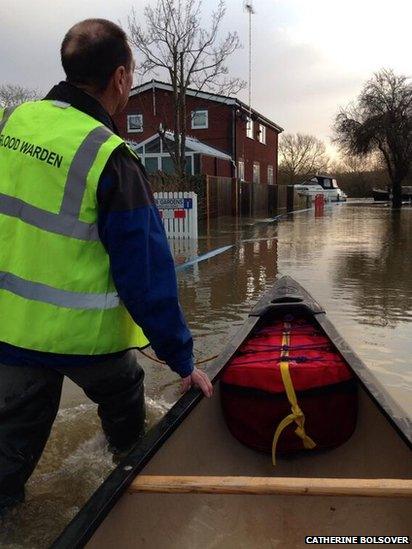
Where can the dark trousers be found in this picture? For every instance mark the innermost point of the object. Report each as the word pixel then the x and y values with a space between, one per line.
pixel 29 401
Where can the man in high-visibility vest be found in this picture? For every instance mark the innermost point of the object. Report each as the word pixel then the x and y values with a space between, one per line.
pixel 86 274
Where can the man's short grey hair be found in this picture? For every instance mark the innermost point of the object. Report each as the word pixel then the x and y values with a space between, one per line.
pixel 92 50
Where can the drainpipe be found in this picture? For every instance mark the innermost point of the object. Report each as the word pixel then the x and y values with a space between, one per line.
pixel 234 162
pixel 236 188
pixel 234 139
pixel 154 97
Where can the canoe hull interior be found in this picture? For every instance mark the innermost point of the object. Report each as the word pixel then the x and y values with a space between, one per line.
pixel 193 439
pixel 204 446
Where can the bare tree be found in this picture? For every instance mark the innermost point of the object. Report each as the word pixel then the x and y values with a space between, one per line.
pixel 381 121
pixel 349 163
pixel 301 155
pixel 11 95
pixel 358 175
pixel 174 42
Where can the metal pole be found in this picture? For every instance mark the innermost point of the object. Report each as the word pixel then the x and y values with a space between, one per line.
pixel 250 62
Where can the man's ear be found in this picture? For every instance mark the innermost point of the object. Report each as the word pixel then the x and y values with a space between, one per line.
pixel 120 79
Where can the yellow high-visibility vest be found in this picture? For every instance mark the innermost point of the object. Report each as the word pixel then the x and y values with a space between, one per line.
pixel 56 290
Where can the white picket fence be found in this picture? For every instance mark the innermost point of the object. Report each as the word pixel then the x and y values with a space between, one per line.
pixel 179 213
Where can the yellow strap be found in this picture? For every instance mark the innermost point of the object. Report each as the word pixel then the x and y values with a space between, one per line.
pixel 297 415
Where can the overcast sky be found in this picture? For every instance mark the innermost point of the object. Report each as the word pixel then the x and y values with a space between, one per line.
pixel 309 56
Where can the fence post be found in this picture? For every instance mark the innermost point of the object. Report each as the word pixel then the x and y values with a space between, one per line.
pixel 194 217
pixel 207 205
pixel 235 197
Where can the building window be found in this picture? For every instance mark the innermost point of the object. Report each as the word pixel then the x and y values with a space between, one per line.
pixel 262 134
pixel 249 127
pixel 168 165
pixel 134 123
pixel 241 170
pixel 256 172
pixel 153 146
pixel 270 175
pixel 200 120
pixel 164 163
pixel 151 164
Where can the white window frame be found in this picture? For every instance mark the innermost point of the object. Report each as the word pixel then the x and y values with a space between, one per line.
pixel 200 111
pixel 257 165
pixel 159 157
pixel 241 170
pixel 262 134
pixel 271 172
pixel 134 130
pixel 249 128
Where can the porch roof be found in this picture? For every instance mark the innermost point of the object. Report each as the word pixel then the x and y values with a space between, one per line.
pixel 192 145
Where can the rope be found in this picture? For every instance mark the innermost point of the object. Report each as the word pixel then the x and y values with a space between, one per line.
pixel 297 415
pixel 163 362
pixel 269 348
pixel 291 360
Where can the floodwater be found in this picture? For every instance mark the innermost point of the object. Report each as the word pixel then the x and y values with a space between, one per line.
pixel 355 260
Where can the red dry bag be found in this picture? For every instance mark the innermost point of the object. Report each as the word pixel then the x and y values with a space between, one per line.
pixel 288 389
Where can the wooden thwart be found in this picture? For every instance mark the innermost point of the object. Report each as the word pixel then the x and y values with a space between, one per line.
pixel 389 488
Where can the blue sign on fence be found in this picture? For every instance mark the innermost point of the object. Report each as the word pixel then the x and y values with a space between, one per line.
pixel 187 203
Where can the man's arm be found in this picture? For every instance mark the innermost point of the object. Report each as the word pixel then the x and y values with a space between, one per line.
pixel 142 266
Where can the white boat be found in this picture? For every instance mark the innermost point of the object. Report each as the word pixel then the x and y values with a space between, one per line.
pixel 322 184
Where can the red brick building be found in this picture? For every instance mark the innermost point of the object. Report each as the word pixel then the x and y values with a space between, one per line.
pixel 222 140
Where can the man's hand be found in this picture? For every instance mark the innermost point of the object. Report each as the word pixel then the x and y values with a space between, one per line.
pixel 198 379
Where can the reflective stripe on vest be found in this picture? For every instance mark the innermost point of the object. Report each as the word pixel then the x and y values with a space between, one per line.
pixel 79 169
pixel 49 221
pixel 54 296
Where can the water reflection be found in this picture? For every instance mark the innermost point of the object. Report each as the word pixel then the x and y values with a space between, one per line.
pixel 377 278
pixel 223 290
